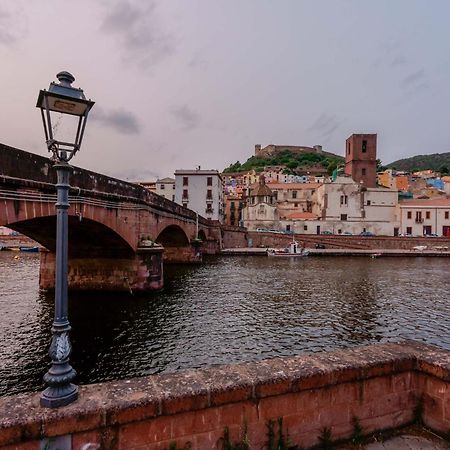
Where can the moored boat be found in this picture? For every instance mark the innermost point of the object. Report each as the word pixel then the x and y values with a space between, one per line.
pixel 293 250
pixel 33 249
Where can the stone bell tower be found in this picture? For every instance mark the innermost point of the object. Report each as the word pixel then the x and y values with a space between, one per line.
pixel 361 158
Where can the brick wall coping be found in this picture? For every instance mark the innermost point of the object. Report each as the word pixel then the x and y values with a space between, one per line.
pixel 120 402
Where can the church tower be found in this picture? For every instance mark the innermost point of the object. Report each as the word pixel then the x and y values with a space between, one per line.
pixel 361 158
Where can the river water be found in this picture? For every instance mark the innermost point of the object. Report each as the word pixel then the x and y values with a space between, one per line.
pixel 228 310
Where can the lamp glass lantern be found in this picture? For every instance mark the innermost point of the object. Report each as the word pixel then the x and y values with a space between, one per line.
pixel 63 99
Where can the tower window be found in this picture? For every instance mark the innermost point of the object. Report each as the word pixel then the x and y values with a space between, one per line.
pixel 363 171
pixel 364 146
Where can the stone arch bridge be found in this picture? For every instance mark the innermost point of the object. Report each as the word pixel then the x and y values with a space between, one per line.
pixel 119 232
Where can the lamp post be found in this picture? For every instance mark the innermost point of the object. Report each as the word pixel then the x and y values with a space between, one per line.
pixel 62 98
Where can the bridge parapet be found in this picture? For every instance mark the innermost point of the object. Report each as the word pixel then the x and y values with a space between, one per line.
pixel 19 167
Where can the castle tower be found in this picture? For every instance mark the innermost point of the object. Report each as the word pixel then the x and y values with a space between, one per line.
pixel 361 158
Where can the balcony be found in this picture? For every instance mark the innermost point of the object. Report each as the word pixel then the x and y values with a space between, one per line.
pixel 419 220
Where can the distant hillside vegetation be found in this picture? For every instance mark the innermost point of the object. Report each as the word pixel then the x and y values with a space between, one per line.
pixel 437 161
pixel 294 163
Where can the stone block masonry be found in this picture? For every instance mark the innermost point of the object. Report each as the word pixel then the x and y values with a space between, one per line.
pixel 383 386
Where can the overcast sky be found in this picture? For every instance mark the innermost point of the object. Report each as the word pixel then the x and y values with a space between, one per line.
pixel 181 83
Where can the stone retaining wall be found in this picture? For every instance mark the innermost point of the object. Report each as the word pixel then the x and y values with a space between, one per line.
pixel 382 386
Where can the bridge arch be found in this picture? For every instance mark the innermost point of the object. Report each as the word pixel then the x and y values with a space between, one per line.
pixel 173 236
pixel 202 235
pixel 86 237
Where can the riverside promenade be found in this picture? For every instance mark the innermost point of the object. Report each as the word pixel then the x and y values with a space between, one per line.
pixel 438 252
pixel 306 400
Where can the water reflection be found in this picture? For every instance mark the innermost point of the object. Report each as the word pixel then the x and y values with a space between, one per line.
pixel 229 310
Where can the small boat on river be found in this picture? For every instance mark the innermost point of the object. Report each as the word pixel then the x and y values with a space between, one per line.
pixel 33 249
pixel 294 250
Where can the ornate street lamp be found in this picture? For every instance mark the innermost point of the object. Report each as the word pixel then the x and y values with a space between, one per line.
pixel 63 100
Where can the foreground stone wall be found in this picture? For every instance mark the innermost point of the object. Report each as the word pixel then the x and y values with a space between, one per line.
pixel 383 386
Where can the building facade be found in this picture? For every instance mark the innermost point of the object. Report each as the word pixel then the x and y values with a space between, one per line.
pixel 348 207
pixel 165 187
pixel 260 211
pixel 201 191
pixel 421 217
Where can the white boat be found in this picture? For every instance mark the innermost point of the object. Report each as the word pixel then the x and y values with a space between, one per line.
pixel 294 250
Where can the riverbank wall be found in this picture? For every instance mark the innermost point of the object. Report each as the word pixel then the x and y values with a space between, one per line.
pixel 300 398
pixel 263 239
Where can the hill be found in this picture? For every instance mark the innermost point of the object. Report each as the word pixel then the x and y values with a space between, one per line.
pixel 296 163
pixel 437 161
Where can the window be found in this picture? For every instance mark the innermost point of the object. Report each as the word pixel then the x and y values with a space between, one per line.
pixel 446 214
pixel 209 208
pixel 368 202
pixel 419 216
pixel 173 186
pixel 409 215
pixel 363 171
pixel 427 215
pixel 364 146
pixel 209 181
pixel 185 193
pixel 173 198
pixel 344 199
pixel 232 206
pixel 275 195
pixel 348 148
pixel 295 205
pixel 185 205
pixel 185 181
pixel 209 194
pixel 343 216
pixel 408 230
pixel 294 194
pixel 162 186
pixel 305 227
pixel 288 228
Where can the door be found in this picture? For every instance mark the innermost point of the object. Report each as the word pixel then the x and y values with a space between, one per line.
pixel 318 229
pixel 427 229
pixel 446 230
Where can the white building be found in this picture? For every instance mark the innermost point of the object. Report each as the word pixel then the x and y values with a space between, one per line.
pixel 201 191
pixel 346 206
pixel 419 217
pixel 166 188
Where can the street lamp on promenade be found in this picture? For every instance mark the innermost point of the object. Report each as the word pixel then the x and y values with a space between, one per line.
pixel 66 102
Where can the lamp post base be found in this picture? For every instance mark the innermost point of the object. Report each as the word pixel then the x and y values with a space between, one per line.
pixel 55 397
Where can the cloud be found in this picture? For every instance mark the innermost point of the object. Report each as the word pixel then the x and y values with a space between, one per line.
pixel 186 117
pixel 136 26
pixel 197 62
pixel 135 175
pixel 11 28
pixel 325 125
pixel 414 79
pixel 398 60
pixel 123 122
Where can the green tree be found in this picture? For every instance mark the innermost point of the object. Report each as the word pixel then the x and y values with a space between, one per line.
pixel 331 167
